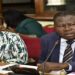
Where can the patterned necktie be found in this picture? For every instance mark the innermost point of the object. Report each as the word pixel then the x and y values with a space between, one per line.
pixel 68 54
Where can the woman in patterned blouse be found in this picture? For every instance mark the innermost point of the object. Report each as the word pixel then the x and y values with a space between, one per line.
pixel 12 47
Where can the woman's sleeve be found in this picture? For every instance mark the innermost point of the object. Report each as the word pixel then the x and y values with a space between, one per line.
pixel 21 49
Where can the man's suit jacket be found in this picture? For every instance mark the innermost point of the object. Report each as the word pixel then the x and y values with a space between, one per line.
pixel 48 42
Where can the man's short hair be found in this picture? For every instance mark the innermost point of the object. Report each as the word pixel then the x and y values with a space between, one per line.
pixel 63 13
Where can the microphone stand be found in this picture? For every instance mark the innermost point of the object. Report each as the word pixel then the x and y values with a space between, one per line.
pixel 50 53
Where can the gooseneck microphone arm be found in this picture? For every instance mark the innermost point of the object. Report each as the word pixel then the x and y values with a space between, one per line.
pixel 50 53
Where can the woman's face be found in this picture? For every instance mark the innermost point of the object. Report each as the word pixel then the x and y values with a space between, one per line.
pixel 65 26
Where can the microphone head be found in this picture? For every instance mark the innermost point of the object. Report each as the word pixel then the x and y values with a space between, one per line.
pixel 56 42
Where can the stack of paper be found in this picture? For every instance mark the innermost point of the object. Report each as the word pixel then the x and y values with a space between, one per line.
pixel 3 69
pixel 5 72
pixel 28 66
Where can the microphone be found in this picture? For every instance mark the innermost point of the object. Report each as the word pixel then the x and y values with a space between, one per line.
pixel 50 53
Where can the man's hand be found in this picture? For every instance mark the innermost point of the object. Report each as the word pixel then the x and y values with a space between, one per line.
pixel 50 66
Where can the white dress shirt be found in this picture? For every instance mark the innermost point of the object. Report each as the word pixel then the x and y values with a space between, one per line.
pixel 63 46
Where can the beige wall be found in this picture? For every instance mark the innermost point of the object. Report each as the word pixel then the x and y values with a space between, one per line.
pixel 44 23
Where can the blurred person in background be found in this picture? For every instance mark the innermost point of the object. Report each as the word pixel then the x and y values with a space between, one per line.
pixel 23 24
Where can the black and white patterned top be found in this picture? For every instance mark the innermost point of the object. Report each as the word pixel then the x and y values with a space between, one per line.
pixel 12 48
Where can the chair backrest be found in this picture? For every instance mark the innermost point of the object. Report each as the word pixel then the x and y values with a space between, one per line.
pixel 49 28
pixel 33 46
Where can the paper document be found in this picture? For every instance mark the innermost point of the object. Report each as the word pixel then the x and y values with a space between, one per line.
pixel 28 66
pixel 5 71
pixel 8 65
pixel 73 73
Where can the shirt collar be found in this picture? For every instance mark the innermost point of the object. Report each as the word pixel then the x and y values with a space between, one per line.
pixel 63 40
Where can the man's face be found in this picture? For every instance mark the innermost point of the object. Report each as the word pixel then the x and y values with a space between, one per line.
pixel 65 26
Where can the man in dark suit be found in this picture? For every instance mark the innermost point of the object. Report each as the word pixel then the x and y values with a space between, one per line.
pixel 54 44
